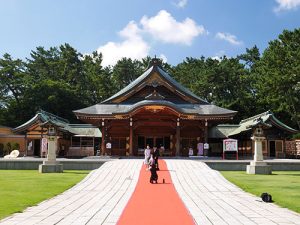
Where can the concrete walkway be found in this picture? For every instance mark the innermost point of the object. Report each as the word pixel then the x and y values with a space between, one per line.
pixel 101 197
pixel 211 199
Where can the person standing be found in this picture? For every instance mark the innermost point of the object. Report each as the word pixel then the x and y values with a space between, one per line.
pixel 155 156
pixel 191 151
pixel 147 156
pixel 153 169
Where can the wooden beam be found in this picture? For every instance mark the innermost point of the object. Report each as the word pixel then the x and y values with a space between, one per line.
pixel 177 137
pixel 154 124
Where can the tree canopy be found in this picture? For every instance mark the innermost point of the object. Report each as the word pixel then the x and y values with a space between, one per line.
pixel 61 79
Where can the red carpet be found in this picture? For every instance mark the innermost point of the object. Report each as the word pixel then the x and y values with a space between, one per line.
pixel 155 204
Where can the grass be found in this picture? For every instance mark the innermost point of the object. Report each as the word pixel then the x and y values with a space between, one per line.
pixel 20 189
pixel 284 186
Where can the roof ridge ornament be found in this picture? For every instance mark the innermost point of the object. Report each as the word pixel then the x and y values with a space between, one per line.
pixel 155 62
pixel 259 122
pixel 269 112
pixel 155 84
pixel 52 116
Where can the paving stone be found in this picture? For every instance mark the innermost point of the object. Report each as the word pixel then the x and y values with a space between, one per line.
pixel 215 197
pixel 101 197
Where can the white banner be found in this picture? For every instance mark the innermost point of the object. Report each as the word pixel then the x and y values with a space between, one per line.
pixel 44 144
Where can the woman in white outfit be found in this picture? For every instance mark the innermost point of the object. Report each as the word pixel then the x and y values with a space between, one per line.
pixel 147 155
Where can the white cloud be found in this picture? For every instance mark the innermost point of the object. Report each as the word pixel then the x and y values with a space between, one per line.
pixel 286 5
pixel 232 39
pixel 133 46
pixel 164 27
pixel 131 31
pixel 181 3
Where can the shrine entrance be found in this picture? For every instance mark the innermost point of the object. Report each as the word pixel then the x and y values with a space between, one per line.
pixel 153 141
pixel 154 109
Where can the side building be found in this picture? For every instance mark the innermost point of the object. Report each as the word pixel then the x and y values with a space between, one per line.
pixel 74 140
pixel 276 145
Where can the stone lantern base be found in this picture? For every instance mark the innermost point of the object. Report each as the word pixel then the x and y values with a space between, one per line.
pixel 257 167
pixel 50 168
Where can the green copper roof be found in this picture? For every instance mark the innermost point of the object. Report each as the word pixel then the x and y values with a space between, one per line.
pixel 266 117
pixel 63 124
pixel 41 117
pixel 222 130
pixel 84 130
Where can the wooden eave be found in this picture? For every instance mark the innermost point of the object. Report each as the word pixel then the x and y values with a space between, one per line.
pixel 282 126
pixel 122 116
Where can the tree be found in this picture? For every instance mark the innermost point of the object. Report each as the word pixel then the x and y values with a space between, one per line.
pixel 278 78
pixel 223 82
pixel 251 60
pixel 99 83
pixel 192 74
pixel 12 79
pixel 125 71
pixel 61 79
pixel 53 96
pixel 44 64
pixel 251 57
pixel 13 83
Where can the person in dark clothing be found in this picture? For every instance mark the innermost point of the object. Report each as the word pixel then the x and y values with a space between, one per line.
pixel 155 157
pixel 153 169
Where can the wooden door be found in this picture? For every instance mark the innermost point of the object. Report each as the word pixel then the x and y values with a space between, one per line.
pixel 272 149
pixel 150 141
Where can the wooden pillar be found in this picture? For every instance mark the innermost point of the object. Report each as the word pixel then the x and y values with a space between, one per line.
pixel 284 147
pixel 130 137
pixel 26 144
pixel 94 143
pixel 206 132
pixel 103 138
pixel 205 136
pixel 177 137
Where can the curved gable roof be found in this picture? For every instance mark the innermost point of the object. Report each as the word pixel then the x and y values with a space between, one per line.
pixel 63 124
pixel 165 76
pixel 114 109
pixel 40 117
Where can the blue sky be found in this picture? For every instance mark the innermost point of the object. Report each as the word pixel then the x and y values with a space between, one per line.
pixel 171 29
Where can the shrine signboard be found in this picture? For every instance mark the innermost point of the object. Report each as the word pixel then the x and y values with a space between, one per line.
pixel 230 145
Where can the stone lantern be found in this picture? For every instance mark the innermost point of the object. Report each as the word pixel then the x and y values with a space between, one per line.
pixel 257 165
pixel 50 165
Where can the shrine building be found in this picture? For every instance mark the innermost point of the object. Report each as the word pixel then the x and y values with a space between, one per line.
pixel 153 110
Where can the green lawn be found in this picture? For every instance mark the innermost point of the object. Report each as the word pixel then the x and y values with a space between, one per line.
pixel 22 188
pixel 284 186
